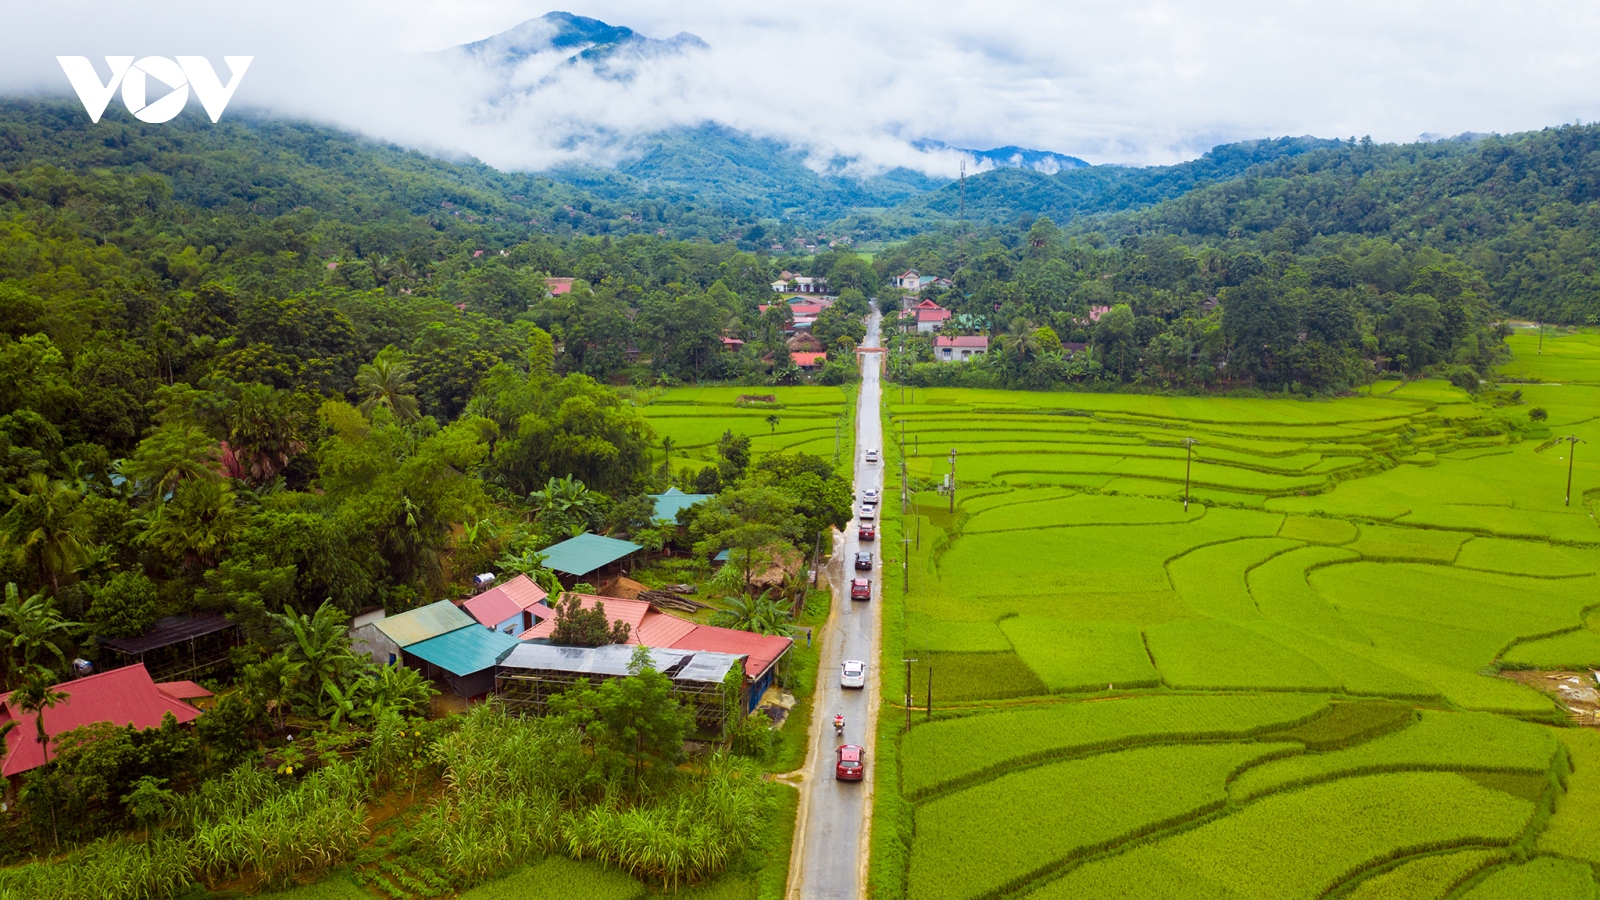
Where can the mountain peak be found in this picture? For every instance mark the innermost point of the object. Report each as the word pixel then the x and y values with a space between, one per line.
pixel 1008 157
pixel 573 36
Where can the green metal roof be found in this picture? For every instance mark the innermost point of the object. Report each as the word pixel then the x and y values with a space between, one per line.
pixel 586 552
pixel 668 504
pixel 430 621
pixel 465 650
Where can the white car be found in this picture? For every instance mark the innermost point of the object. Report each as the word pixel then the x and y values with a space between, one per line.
pixel 869 511
pixel 870 495
pixel 872 456
pixel 853 674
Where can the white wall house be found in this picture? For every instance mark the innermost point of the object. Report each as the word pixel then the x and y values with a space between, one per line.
pixel 960 348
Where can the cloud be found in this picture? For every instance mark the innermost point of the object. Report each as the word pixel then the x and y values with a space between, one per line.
pixel 1128 82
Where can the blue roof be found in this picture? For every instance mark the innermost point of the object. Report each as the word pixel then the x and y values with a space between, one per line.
pixel 586 552
pixel 465 650
pixel 722 556
pixel 668 504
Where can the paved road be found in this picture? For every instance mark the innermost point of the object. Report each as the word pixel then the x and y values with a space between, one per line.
pixel 831 835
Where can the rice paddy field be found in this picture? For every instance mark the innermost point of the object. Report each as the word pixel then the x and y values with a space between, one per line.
pixel 1294 688
pixel 811 419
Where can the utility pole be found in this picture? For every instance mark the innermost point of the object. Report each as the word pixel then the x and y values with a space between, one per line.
pixel 1188 464
pixel 838 422
pixel 1572 452
pixel 930 692
pixel 908 663
pixel 952 479
pixel 1541 336
pixel 905 566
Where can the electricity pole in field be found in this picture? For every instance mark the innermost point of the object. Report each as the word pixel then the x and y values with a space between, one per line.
pixel 908 663
pixel 1572 453
pixel 952 479
pixel 1188 464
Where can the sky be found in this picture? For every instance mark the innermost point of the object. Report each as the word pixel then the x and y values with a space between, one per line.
pixel 1130 82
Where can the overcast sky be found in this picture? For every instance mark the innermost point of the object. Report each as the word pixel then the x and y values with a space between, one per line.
pixel 1120 82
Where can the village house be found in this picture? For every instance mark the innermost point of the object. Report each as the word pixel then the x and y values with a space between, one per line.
pixel 959 348
pixel 928 316
pixel 909 280
pixel 789 282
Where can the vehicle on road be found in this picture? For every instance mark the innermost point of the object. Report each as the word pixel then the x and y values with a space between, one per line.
pixel 853 674
pixel 869 511
pixel 852 763
pixel 867 532
pixel 864 561
pixel 838 725
pixel 870 495
pixel 861 588
pixel 872 456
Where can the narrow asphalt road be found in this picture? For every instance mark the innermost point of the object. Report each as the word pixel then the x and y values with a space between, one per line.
pixel 830 859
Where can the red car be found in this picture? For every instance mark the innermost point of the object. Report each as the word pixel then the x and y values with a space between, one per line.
pixel 852 763
pixel 860 589
pixel 868 532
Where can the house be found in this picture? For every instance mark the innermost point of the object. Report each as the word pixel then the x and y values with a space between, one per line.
pixel 908 280
pixel 533 673
pixel 960 348
pixel 669 504
pixel 651 627
pixel 929 316
pixel 809 362
pixel 446 645
pixel 125 696
pixel 555 287
pixel 802 284
pixel 586 554
pixel 177 646
pixel 511 608
pixel 731 343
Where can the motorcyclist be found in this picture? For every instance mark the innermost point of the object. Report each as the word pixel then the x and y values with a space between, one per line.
pixel 838 724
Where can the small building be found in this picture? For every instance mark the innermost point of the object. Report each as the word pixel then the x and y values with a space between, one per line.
pixel 384 639
pixel 669 504
pixel 929 316
pixel 125 696
pixel 960 348
pixel 802 284
pixel 533 673
pixel 809 362
pixel 555 287
pixel 588 554
pixel 463 659
pixel 510 608
pixel 908 280
pixel 177 646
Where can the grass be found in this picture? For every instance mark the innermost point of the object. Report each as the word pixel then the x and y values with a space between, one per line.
pixel 1545 878
pixel 966 845
pixel 1302 843
pixel 558 878
pixel 1075 656
pixel 1342 563
pixel 1438 741
pixel 951 751
pixel 790 751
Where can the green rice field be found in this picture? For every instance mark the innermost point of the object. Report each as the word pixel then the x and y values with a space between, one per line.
pixel 811 419
pixel 1296 687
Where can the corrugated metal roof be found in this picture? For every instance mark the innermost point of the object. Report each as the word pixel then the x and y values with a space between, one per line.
pixel 430 621
pixel 659 629
pixel 613 660
pixel 125 696
pixel 168 631
pixel 465 650
pixel 183 690
pixel 668 504
pixel 586 552
pixel 491 608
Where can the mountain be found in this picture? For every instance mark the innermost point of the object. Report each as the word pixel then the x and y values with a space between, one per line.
pixel 609 48
pixel 1008 157
pixel 1008 194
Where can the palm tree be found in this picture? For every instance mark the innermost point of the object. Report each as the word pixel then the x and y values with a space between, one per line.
pixel 273 682
pixel 1020 344
pixel 760 614
pixel 386 382
pixel 382 270
pixel 265 432
pixel 667 446
pixel 48 527
pixel 36 695
pixel 32 626
pixel 196 524
pixel 772 423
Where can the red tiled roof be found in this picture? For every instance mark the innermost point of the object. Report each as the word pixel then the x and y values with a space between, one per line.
pixel 806 309
pixel 558 286
pixel 501 602
pixel 932 315
pixel 805 360
pixel 965 340
pixel 617 610
pixel 760 651
pixel 660 629
pixel 928 304
pixel 177 690
pixel 125 696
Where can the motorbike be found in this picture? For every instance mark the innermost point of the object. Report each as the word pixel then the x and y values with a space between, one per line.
pixel 838 726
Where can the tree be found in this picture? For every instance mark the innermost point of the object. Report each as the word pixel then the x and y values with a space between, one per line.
pixel 733 456
pixel 633 722
pixel 760 614
pixel 32 628
pixel 272 682
pixel 580 627
pixel 320 644
pixel 195 526
pixel 386 382
pixel 173 453
pixel 1020 345
pixel 1114 338
pixel 47 529
pixel 772 423
pixel 124 607
pixel 566 504
pixel 264 432
pixel 36 695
